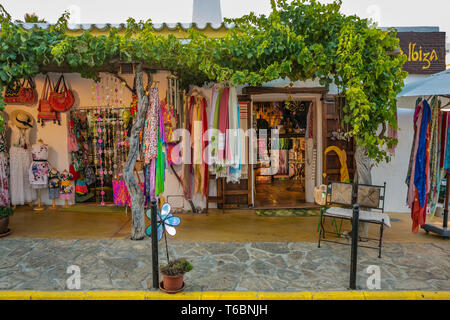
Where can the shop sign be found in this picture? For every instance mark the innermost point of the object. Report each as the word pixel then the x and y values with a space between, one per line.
pixel 425 51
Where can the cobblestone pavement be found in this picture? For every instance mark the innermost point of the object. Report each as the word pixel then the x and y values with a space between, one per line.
pixel 41 264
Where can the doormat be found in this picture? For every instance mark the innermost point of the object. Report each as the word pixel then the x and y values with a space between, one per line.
pixel 93 209
pixel 288 212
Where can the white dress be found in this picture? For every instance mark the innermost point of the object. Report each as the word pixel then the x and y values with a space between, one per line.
pixel 20 161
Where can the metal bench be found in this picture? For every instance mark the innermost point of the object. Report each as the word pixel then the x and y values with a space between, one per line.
pixel 340 200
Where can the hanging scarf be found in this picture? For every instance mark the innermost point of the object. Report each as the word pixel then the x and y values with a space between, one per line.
pixel 444 131
pixel 436 186
pixel 421 171
pixel 412 162
pixel 223 123
pixel 447 148
pixel 434 145
pixel 150 138
pixel 214 145
pixel 186 158
pixel 422 158
pixel 205 144
pixel 234 138
pixel 161 159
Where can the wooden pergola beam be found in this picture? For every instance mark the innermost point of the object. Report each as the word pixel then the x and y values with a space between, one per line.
pixel 265 90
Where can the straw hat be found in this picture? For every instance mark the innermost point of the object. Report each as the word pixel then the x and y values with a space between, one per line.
pixel 22 119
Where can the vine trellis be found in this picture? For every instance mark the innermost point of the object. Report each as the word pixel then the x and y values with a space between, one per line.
pixel 298 40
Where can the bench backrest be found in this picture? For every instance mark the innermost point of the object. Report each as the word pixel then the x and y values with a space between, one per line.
pixel 348 194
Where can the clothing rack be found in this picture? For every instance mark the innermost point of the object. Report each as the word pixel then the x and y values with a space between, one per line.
pixel 444 231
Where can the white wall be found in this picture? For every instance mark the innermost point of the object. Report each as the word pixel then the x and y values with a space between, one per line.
pixel 394 173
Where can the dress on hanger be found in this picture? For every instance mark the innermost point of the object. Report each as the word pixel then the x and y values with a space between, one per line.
pixel 39 168
pixel 20 161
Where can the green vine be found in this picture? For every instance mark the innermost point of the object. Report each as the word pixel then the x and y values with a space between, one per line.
pixel 298 40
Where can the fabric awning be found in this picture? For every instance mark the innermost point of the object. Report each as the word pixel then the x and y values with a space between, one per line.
pixel 435 85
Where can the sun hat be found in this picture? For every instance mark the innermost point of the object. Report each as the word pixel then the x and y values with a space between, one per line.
pixel 22 119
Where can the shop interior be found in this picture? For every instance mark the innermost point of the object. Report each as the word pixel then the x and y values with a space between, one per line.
pixel 280 168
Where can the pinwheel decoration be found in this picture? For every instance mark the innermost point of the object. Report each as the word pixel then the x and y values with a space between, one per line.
pixel 166 222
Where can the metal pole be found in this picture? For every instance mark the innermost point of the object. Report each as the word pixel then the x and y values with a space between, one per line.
pixel 354 253
pixel 447 185
pixel 155 267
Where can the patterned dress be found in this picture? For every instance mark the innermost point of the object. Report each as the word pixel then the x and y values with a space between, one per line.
pixel 54 185
pixel 4 173
pixel 66 189
pixel 39 168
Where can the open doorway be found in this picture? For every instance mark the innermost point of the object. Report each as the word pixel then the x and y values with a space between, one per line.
pixel 281 163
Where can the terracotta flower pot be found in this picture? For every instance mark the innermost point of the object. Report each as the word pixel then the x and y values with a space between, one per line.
pixel 172 283
pixel 4 225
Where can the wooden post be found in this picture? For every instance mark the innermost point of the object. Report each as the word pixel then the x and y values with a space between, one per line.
pixel 53 207
pixel 137 198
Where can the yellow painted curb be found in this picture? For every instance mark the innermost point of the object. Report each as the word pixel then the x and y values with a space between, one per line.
pixel 222 295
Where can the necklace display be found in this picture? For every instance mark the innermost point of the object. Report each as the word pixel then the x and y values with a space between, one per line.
pixel 101 133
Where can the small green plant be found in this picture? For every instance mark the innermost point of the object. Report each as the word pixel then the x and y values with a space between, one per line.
pixel 176 267
pixel 6 212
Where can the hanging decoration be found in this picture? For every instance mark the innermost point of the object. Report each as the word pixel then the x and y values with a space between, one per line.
pixel 154 148
pixel 225 140
pixel 100 149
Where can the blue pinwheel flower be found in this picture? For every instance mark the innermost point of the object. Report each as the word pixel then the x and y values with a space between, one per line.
pixel 166 222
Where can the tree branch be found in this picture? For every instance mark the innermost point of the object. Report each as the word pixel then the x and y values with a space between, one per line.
pixel 383 130
pixel 137 198
pixel 123 81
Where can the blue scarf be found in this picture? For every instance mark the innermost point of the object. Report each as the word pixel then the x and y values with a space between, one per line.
pixel 420 180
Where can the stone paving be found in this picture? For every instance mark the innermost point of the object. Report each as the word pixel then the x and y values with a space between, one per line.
pixel 41 264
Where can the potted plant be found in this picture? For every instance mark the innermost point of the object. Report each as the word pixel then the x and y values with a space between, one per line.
pixel 173 274
pixel 5 213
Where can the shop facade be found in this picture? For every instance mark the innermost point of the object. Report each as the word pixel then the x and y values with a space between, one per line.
pixel 307 116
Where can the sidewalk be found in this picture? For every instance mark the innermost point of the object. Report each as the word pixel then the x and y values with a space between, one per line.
pixel 117 264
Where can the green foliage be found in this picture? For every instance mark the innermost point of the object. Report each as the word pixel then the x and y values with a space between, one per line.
pixel 6 212
pixel 303 40
pixel 298 40
pixel 176 267
pixel 32 18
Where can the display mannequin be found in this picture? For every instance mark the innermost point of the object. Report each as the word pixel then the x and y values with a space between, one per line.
pixel 54 184
pixel 39 169
pixel 20 158
pixel 66 192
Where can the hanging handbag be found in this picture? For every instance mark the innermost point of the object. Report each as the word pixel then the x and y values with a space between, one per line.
pixel 45 111
pixel 27 93
pixel 12 93
pixel 61 99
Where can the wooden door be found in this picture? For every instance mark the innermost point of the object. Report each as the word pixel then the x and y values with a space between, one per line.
pixel 331 117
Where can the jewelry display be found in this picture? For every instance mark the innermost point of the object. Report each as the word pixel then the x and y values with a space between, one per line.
pixel 101 133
